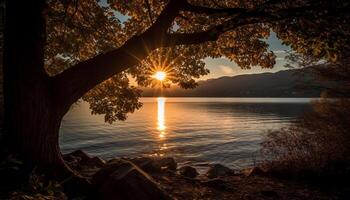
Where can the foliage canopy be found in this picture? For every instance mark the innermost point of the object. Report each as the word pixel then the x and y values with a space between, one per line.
pixel 235 29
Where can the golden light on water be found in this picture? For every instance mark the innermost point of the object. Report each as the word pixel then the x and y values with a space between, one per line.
pixel 159 75
pixel 161 117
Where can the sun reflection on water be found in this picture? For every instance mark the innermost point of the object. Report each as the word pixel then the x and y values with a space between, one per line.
pixel 161 117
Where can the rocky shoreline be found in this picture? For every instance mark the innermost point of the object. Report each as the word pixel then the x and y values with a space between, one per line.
pixel 151 178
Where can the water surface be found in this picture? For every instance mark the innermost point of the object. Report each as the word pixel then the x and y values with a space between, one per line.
pixel 195 130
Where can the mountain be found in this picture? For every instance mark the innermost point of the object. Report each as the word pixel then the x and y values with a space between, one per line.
pixel 287 83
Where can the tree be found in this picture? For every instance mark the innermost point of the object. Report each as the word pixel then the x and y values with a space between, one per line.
pixel 57 52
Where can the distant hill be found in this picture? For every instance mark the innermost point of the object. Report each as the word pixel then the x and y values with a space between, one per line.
pixel 288 83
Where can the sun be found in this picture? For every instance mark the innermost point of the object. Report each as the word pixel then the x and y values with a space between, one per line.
pixel 159 75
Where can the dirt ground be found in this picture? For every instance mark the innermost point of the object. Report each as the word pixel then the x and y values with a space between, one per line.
pixel 238 187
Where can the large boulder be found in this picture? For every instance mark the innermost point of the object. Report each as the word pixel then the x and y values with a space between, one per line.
pixel 121 179
pixel 217 170
pixel 79 160
pixel 165 163
pixel 147 164
pixel 95 162
pixel 188 171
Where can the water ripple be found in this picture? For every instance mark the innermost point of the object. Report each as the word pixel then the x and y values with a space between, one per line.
pixel 196 130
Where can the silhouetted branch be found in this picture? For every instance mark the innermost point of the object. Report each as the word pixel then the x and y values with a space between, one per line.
pixel 77 80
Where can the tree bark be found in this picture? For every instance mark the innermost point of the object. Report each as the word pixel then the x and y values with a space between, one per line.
pixel 32 112
pixel 32 125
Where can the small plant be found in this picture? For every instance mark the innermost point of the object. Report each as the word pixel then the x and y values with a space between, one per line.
pixel 37 188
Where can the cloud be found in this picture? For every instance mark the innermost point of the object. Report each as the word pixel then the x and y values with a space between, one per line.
pixel 280 52
pixel 226 69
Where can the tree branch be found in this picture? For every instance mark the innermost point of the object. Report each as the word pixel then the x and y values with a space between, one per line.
pixel 213 33
pixel 189 38
pixel 269 3
pixel 212 11
pixel 241 19
pixel 74 82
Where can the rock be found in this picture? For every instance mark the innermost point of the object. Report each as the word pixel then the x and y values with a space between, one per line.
pixel 95 162
pixel 165 163
pixel 72 161
pixel 188 171
pixel 76 158
pixel 255 171
pixel 154 164
pixel 218 170
pixel 146 164
pixel 121 179
pixel 215 183
pixel 115 160
pixel 79 159
pixel 69 158
pixel 78 154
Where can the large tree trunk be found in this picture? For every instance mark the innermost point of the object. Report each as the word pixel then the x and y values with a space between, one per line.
pixel 32 124
pixel 32 112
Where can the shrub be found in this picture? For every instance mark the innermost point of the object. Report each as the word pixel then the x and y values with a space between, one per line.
pixel 316 145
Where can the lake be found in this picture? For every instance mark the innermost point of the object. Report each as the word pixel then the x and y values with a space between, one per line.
pixel 192 130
